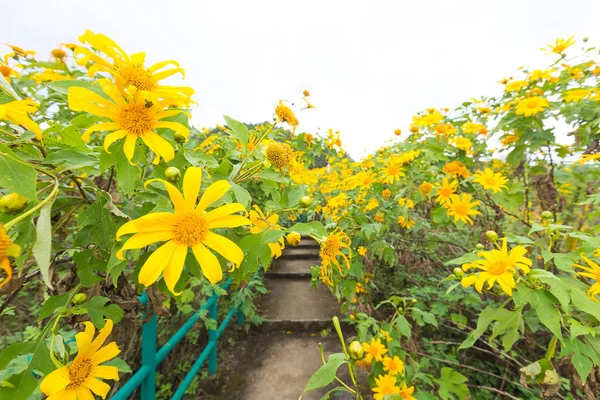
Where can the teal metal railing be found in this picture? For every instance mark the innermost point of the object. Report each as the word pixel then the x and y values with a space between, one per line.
pixel 145 376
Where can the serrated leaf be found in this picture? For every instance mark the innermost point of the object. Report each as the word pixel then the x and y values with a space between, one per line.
pixel 71 159
pixel 464 259
pixel 242 196
pixel 452 383
pixel 509 324
pixel 485 319
pixel 16 174
pixel 102 227
pixel 98 310
pixel 238 130
pixel 581 360
pixel 542 303
pixel 42 248
pixel 326 373
pixel 52 303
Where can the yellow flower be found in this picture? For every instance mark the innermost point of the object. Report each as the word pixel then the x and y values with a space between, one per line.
pixel 384 385
pixel 188 227
pixel 372 204
pixel 386 193
pixel 131 119
pixel 462 143
pixel 539 74
pixel 260 223
pixel 306 93
pixel 279 155
pixel 59 54
pixel 515 86
pixel 362 250
pixel 406 223
pixel 462 208
pixel 508 139
pixel 7 249
pixel 332 247
pixel 7 71
pixel 491 180
pixel 408 203
pixel 293 238
pixel 531 106
pixel 445 130
pixel 285 114
pixel 406 392
pixel 374 350
pixel 472 127
pixel 393 366
pixel 130 71
pixel 425 188
pixel 392 171
pixel 592 272
pixel 79 379
pixel 397 132
pixel 49 75
pixel 385 335
pixel 559 46
pixel 18 113
pixel 497 266
pixel 445 190
pixel 576 95
pixel 585 158
pixel 17 52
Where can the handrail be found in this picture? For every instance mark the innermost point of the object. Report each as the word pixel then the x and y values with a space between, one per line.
pixel 145 376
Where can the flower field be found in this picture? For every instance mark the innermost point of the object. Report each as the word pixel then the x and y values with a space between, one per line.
pixel 465 253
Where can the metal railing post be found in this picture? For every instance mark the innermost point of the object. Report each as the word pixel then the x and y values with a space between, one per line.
pixel 212 336
pixel 240 317
pixel 148 385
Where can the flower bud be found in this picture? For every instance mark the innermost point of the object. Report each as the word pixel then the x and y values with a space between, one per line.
pixel 585 39
pixel 173 174
pixel 458 272
pixel 492 236
pixel 12 203
pixel 293 238
pixel 356 350
pixel 305 201
pixel 479 246
pixel 179 137
pixel 79 298
pixel 547 215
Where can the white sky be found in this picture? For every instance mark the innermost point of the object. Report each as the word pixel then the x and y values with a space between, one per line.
pixel 369 65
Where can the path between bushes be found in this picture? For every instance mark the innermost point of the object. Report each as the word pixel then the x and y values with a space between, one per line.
pixel 277 362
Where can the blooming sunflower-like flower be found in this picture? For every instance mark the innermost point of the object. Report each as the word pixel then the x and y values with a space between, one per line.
pixel 131 71
pixel 462 143
pixel 374 350
pixel 491 180
pixel 384 385
pixel 462 208
pixel 18 112
pixel 332 247
pixel 456 168
pixel 531 106
pixel 81 378
pixel 576 95
pixel 7 249
pixel 7 71
pixel 279 155
pixel 592 271
pixel 425 188
pixel 406 392
pixel 392 171
pixel 260 223
pixel 472 127
pixel 393 366
pixel 285 114
pixel 406 222
pixel 17 52
pixel 444 190
pixel 131 119
pixel 559 45
pixel 498 265
pixel 362 250
pixel 188 227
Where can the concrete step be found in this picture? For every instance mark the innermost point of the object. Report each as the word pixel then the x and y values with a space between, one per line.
pixel 308 242
pixel 277 366
pixel 291 268
pixel 292 304
pixel 300 252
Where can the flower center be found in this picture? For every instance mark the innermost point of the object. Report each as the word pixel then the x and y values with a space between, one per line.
pixel 278 155
pixel 393 170
pixel 445 192
pixel 461 209
pixel 190 229
pixel 137 76
pixel 532 104
pixel 490 180
pixel 5 70
pixel 59 54
pixel 498 268
pixel 136 119
pixel 78 372
pixel 331 247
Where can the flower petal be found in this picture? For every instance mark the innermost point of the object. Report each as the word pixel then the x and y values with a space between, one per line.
pixel 129 146
pixel 213 193
pixel 224 247
pixel 211 268
pixel 159 146
pixel 156 263
pixel 174 194
pixel 111 138
pixel 144 239
pixel 153 222
pixel 174 268
pixel 102 336
pixel 99 388
pixel 106 353
pixel 222 211
pixel 191 187
pixel 55 381
pixel 229 221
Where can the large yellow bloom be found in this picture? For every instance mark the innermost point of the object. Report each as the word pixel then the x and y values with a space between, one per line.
pixel 130 71
pixel 531 106
pixel 393 366
pixel 456 168
pixel 374 350
pixel 188 227
pixel 7 249
pixel 392 171
pixel 18 113
pixel 497 266
pixel 461 208
pixel 576 95
pixel 285 114
pixel 384 385
pixel 444 190
pixel 79 379
pixel 260 222
pixel 592 272
pixel 132 119
pixel 491 180
pixel 559 45
pixel 331 248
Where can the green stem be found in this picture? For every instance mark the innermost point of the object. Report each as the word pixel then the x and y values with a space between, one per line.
pixel 56 362
pixel 21 217
pixel 252 151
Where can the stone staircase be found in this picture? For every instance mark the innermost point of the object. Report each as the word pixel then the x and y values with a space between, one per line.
pixel 280 359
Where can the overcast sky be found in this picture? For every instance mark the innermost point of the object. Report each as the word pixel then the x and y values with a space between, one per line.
pixel 370 65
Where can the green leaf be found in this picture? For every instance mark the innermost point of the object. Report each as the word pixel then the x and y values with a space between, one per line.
pixel 62 87
pixel 98 310
pixel 52 304
pixel 120 364
pixel 564 262
pixel 452 383
pixel 127 175
pixel 242 196
pixel 309 228
pixel 270 175
pixel 508 325
pixel 403 326
pixel 42 248
pixel 590 241
pixel 12 352
pixel 423 317
pixel 71 159
pixel 102 227
pixel 557 287
pixel 16 174
pixel 543 303
pixel 464 259
pixel 238 130
pixel 485 319
pixel 326 373
pixel 578 329
pixel 71 137
pixel 581 360
pixel 579 297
